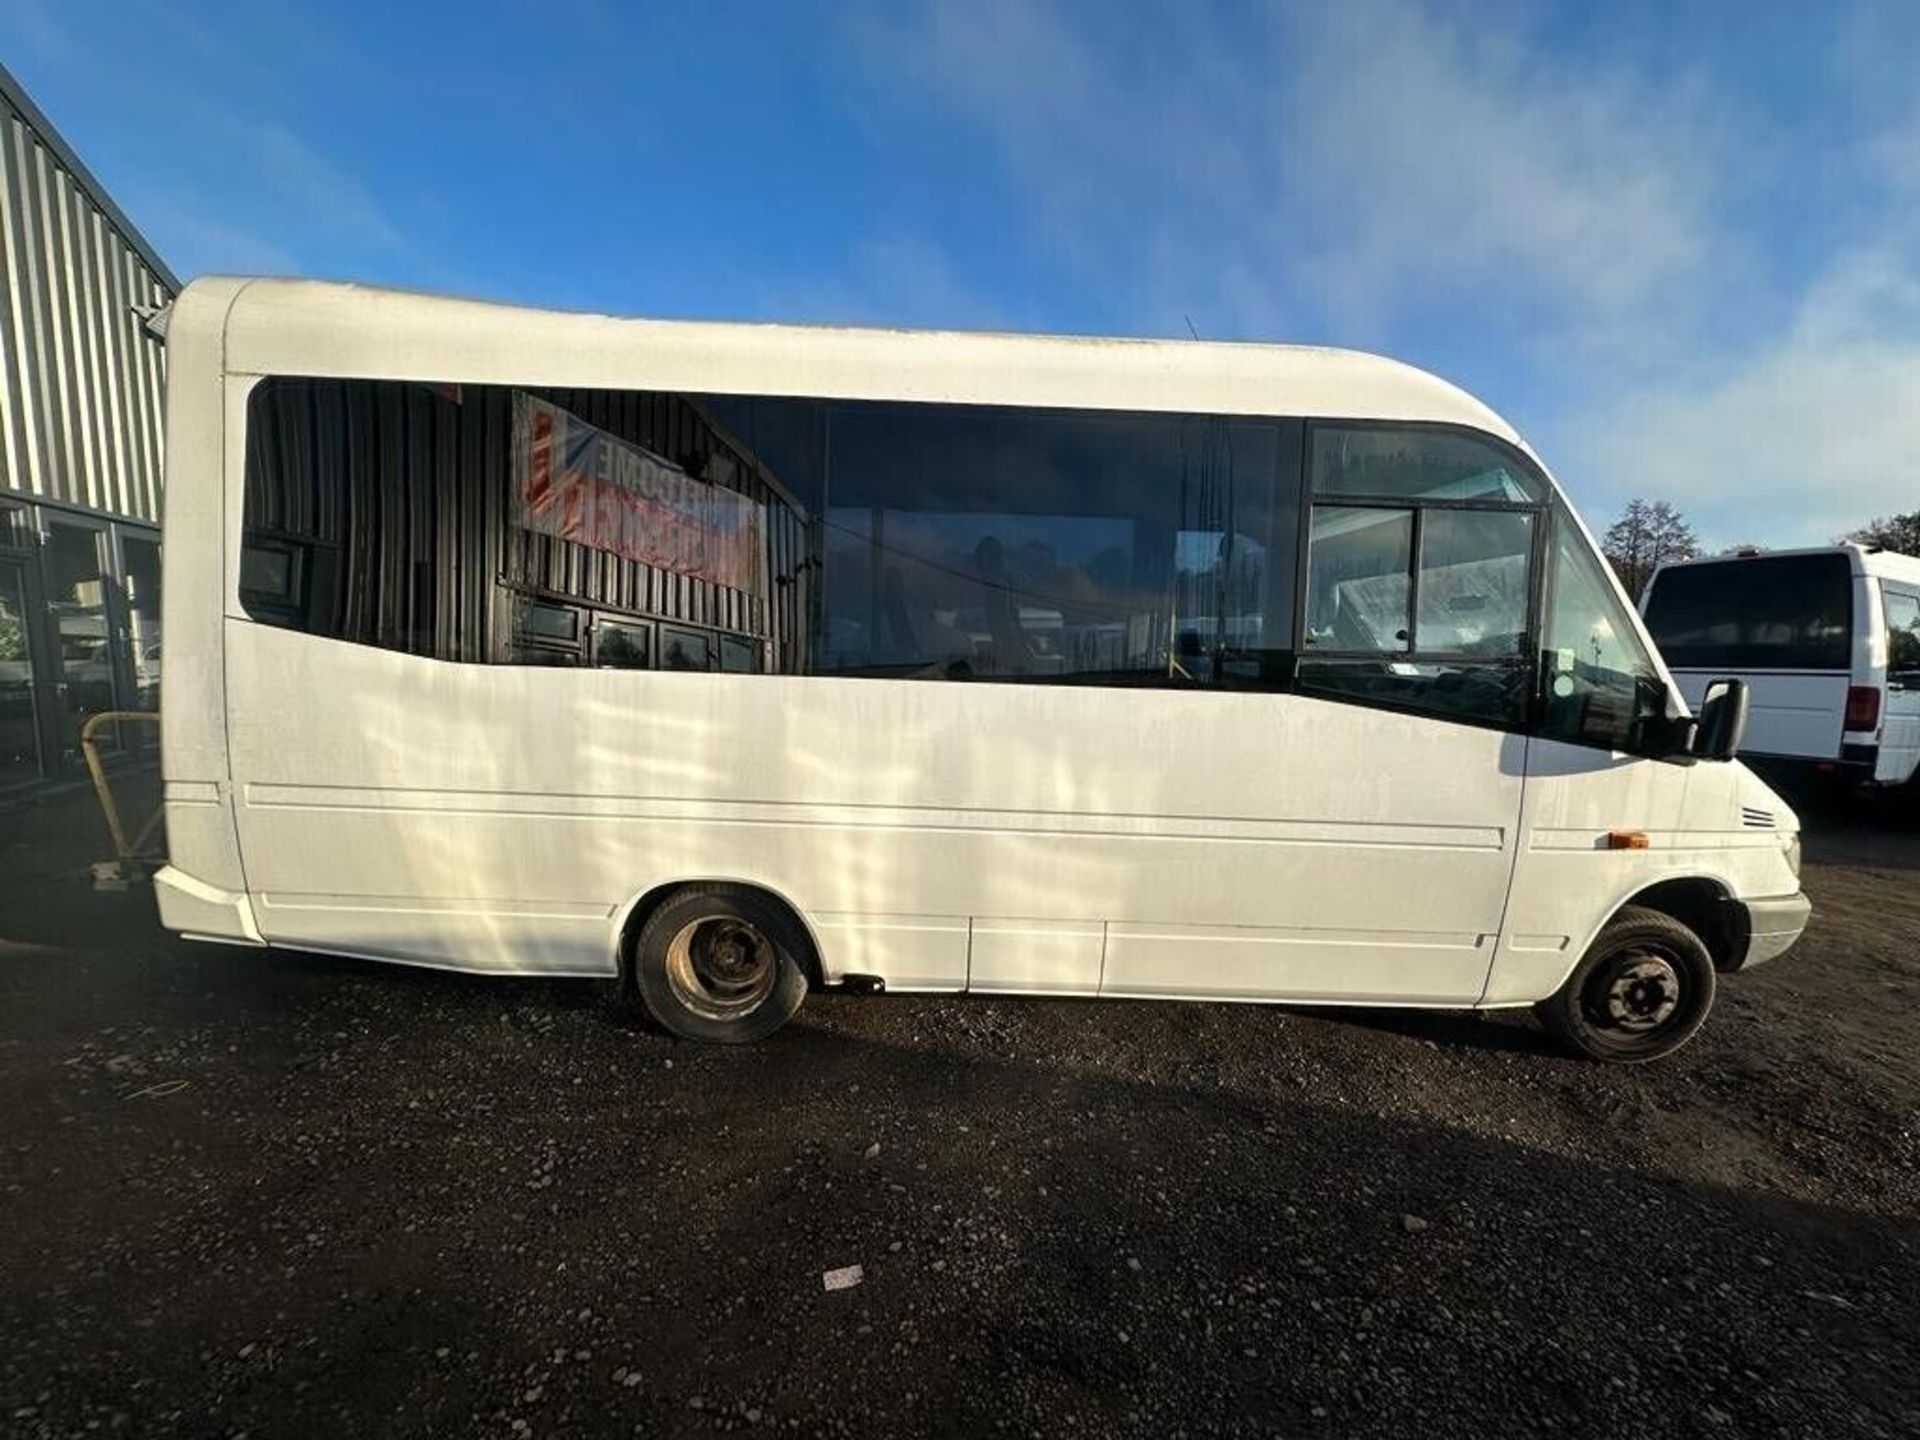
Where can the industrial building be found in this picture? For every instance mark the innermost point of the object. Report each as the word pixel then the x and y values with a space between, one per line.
pixel 81 387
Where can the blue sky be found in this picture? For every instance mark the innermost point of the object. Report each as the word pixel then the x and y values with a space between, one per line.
pixel 1678 244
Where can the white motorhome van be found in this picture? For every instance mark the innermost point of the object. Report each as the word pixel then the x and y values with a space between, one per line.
pixel 734 661
pixel 1828 641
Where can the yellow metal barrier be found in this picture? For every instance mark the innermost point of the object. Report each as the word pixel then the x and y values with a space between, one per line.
pixel 130 855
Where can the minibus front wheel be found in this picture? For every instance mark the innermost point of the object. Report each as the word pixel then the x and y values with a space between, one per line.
pixel 720 963
pixel 1641 991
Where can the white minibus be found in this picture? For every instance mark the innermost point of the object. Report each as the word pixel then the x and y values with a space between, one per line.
pixel 1828 641
pixel 735 661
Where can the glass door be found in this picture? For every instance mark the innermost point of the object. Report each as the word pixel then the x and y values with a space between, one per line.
pixel 19 722
pixel 74 563
pixel 140 649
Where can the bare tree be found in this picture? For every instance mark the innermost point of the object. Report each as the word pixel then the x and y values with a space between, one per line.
pixel 1647 535
pixel 1892 532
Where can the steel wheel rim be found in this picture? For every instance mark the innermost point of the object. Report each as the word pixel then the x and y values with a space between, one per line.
pixel 721 968
pixel 1637 993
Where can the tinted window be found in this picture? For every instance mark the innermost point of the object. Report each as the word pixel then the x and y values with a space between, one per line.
pixel 979 544
pixel 1786 612
pixel 739 656
pixel 1423 605
pixel 489 523
pixel 620 646
pixel 1600 687
pixel 685 649
pixel 1405 463
pixel 1903 635
pixel 546 623
pixel 895 540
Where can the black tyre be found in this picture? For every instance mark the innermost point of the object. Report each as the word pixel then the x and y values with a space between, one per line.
pixel 1640 992
pixel 720 963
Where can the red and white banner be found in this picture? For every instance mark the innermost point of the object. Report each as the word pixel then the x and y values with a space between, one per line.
pixel 576 482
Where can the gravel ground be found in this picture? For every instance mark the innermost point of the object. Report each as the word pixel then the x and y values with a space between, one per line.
pixel 285 1195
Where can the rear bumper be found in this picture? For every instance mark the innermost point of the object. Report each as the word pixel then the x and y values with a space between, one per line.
pixel 204 912
pixel 1772 926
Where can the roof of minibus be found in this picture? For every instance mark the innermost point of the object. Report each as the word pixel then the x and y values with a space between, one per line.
pixel 321 328
pixel 1864 560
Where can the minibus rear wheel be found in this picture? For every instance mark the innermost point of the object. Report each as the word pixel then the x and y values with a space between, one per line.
pixel 1641 991
pixel 720 963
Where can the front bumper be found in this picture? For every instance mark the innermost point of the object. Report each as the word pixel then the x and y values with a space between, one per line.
pixel 1772 926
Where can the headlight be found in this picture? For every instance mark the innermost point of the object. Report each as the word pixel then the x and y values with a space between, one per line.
pixel 1793 854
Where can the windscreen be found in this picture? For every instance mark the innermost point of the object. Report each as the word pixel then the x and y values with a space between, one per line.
pixel 1783 612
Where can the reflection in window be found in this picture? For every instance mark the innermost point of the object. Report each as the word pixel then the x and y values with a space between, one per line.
pixel 1474 566
pixel 1358 563
pixel 76 593
pixel 267 573
pixel 19 732
pixel 1601 687
pixel 964 543
pixel 685 649
pixel 545 634
pixel 739 656
pixel 1493 693
pixel 1903 636
pixel 140 565
pixel 622 647
pixel 1403 463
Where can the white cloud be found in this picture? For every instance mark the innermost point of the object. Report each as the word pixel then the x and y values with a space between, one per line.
pixel 1458 187
pixel 1450 155
pixel 1812 429
pixel 1134 146
pixel 1801 441
pixel 1326 170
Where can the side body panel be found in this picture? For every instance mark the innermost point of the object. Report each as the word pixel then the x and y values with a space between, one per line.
pixel 1704 821
pixel 1079 840
pixel 203 889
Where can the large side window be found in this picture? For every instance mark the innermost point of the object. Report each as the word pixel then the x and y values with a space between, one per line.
pixel 969 543
pixel 1600 687
pixel 489 523
pixel 1903 637
pixel 1420 564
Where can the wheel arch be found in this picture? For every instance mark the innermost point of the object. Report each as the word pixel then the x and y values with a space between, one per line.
pixel 1696 899
pixel 631 917
pixel 1698 902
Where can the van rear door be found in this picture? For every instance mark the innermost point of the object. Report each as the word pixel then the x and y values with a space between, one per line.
pixel 1782 623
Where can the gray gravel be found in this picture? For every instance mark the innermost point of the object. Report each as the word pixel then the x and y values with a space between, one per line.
pixel 286 1195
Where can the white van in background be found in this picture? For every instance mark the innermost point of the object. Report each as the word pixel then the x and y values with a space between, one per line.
pixel 1828 641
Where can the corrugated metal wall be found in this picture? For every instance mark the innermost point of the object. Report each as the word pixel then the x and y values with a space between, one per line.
pixel 80 381
pixel 397 492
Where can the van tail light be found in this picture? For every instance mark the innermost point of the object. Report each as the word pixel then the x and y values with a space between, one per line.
pixel 1863 707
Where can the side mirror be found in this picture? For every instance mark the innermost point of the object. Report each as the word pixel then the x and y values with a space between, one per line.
pixel 1723 720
